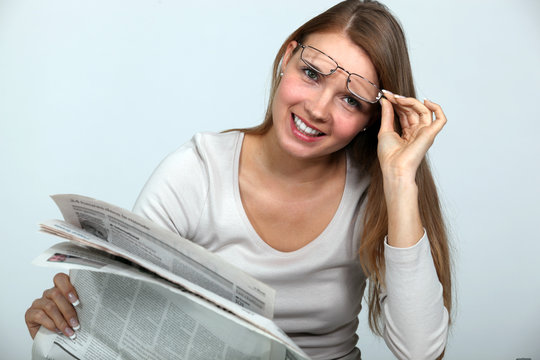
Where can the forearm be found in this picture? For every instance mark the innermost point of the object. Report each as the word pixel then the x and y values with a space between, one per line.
pixel 404 223
pixel 416 321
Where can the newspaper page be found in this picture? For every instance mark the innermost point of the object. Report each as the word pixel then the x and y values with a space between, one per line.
pixel 126 318
pixel 79 236
pixel 123 233
pixel 72 256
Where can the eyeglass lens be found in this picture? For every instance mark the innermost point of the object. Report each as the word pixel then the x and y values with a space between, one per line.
pixel 325 65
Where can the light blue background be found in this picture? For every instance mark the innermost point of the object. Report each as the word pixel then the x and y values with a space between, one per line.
pixel 93 94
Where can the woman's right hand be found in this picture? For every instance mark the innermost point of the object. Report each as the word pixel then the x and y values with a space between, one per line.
pixel 55 310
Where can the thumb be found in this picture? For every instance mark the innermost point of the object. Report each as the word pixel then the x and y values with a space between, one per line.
pixel 387 116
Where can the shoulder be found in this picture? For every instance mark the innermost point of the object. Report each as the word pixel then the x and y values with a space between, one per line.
pixel 202 147
pixel 192 161
pixel 213 140
pixel 175 194
pixel 215 147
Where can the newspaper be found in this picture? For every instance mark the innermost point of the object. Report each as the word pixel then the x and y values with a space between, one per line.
pixel 147 293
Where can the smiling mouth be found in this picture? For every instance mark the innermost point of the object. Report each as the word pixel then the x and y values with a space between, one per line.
pixel 304 129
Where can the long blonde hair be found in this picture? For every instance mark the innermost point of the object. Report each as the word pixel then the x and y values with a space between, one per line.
pixel 371 26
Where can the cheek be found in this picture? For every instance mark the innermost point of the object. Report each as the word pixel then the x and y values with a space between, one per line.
pixel 351 127
pixel 289 92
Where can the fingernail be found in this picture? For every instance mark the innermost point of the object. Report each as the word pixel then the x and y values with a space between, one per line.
pixel 73 300
pixel 74 324
pixel 399 97
pixel 58 331
pixel 70 333
pixel 387 92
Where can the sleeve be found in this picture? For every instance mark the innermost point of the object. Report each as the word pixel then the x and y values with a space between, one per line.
pixel 175 195
pixel 416 321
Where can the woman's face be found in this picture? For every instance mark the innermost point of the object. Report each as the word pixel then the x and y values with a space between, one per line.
pixel 315 115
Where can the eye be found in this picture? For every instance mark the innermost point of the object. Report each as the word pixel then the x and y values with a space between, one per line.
pixel 310 73
pixel 351 101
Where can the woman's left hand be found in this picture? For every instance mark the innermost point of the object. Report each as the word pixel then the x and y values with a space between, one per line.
pixel 400 156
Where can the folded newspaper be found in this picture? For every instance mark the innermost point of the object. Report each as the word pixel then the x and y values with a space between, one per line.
pixel 147 293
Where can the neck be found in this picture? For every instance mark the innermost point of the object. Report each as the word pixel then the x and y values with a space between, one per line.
pixel 263 152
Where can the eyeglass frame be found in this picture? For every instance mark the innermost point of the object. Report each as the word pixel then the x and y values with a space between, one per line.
pixel 379 94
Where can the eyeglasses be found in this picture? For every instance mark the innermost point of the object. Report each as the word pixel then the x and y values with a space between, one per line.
pixel 323 64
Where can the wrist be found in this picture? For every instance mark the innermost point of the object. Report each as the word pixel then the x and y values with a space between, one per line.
pixel 396 188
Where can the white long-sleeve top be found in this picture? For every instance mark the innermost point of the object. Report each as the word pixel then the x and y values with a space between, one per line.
pixel 319 287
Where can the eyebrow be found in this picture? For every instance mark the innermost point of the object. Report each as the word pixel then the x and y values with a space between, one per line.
pixel 313 66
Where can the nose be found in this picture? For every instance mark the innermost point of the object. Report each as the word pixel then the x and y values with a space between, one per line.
pixel 320 104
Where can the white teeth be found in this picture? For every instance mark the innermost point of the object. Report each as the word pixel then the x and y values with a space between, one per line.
pixel 300 125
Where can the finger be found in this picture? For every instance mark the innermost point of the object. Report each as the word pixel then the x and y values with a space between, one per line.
pixel 390 96
pixel 35 318
pixel 405 117
pixel 65 316
pixel 51 310
pixel 427 134
pixel 62 282
pixel 416 111
pixel 387 116
pixel 403 114
pixel 440 117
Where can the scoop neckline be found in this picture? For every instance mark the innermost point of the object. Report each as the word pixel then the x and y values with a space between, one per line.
pixel 257 240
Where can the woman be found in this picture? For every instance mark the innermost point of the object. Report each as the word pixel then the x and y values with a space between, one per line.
pixel 331 186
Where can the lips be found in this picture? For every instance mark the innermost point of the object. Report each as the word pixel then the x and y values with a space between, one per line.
pixel 303 128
